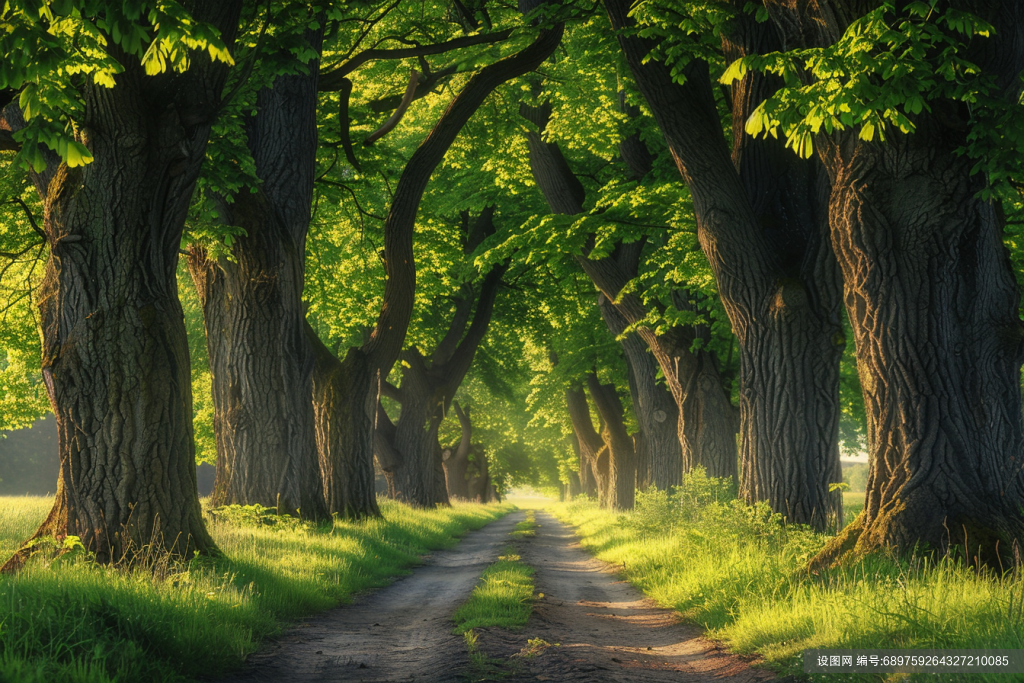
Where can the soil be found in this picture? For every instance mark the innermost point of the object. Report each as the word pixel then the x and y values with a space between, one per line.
pixel 594 627
pixel 588 626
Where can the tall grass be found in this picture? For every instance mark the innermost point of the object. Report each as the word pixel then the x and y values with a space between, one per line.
pixel 737 570
pixel 71 620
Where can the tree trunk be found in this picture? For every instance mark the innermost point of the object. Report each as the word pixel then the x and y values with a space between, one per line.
pixel 344 429
pixel 456 460
pixel 415 444
pixel 934 305
pixel 762 230
pixel 260 356
pixel 658 451
pixel 429 385
pixel 419 477
pixel 260 364
pixel 621 458
pixel 587 481
pixel 115 355
pixel 480 477
pixel 592 451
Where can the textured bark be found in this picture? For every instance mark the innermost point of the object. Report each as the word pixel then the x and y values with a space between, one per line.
pixel 344 428
pixel 934 307
pixel 762 229
pixel 260 357
pixel 621 457
pixel 115 356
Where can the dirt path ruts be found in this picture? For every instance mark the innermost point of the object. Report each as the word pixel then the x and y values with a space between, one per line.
pixel 607 630
pixel 400 633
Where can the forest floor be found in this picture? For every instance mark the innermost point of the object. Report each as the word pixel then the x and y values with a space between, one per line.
pixel 586 626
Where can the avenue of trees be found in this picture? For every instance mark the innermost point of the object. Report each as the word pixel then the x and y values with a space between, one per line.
pixel 470 244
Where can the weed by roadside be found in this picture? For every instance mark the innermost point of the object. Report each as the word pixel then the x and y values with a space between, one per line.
pixel 503 597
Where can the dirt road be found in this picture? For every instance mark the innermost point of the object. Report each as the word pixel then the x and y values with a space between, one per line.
pixel 400 633
pixel 605 629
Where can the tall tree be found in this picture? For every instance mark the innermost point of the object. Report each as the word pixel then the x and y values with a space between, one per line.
pixel 703 415
pixel 346 392
pixel 115 355
pixel 761 223
pixel 412 459
pixel 260 356
pixel 930 291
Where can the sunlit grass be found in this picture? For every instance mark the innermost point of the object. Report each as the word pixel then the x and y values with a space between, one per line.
pixel 744 581
pixel 504 594
pixel 74 621
pixel 526 528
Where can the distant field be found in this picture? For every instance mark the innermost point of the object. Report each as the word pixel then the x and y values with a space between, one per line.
pixel 19 517
pixel 853 503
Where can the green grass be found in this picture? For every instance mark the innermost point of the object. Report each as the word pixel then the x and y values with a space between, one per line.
pixel 71 620
pixel 737 571
pixel 504 594
pixel 525 528
pixel 853 503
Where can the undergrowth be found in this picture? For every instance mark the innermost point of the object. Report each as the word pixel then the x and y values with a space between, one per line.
pixel 72 620
pixel 738 570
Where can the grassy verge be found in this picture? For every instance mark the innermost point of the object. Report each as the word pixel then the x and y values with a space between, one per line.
pixel 736 570
pixel 71 620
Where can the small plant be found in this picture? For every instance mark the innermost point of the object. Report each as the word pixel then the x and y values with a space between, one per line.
pixel 526 528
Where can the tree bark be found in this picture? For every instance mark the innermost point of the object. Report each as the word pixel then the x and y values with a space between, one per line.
pixel 115 355
pixel 260 356
pixel 344 428
pixel 762 229
pixel 934 306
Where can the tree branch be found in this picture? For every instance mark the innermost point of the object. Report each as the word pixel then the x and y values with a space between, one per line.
pixel 389 125
pixel 388 337
pixel 331 81
pixel 345 122
pixel 31 219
